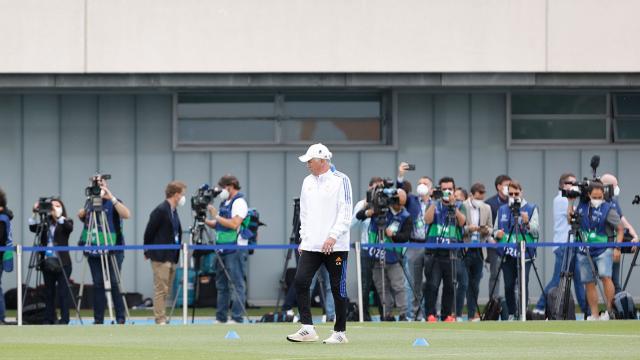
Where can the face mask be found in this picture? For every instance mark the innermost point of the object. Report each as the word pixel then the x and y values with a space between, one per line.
pixel 446 194
pixel 224 195
pixel 505 191
pixel 57 211
pixel 477 203
pixel 182 201
pixel 596 202
pixel 422 190
pixel 616 191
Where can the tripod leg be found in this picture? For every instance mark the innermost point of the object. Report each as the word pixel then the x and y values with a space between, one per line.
pixel 116 272
pixel 85 263
pixel 633 263
pixel 283 280
pixel 73 300
pixel 454 280
pixel 415 295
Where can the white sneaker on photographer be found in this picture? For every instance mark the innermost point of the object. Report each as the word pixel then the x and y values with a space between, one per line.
pixel 306 334
pixel 604 316
pixel 337 337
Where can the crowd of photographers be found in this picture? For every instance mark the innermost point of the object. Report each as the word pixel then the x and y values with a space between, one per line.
pixel 408 279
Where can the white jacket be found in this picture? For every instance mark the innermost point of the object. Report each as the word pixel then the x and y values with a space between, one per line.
pixel 325 211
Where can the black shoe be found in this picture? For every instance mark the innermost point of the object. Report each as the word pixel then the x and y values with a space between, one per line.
pixel 403 317
pixel 389 318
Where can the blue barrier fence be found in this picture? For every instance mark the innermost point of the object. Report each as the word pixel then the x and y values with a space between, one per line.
pixel 293 246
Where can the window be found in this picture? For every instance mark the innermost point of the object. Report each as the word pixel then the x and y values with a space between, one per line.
pixel 559 118
pixel 281 118
pixel 626 115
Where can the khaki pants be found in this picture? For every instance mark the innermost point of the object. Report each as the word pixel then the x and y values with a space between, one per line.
pixel 163 274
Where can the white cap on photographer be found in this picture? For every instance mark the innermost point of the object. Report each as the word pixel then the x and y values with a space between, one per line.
pixel 316 151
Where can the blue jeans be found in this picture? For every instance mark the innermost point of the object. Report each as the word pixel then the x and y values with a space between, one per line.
pixel 233 262
pixel 99 297
pixel 329 304
pixel 578 287
pixel 2 306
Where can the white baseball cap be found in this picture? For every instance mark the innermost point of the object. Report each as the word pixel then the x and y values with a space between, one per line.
pixel 317 151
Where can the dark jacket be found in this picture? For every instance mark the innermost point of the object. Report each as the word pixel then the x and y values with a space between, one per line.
pixel 4 236
pixel 159 231
pixel 60 238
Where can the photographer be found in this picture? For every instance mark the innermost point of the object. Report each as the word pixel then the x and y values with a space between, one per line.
pixel 227 223
pixel 363 222
pixel 478 229
pixel 115 211
pixel 599 223
pixel 629 232
pixel 445 220
pixel 398 225
pixel 505 227
pixel 561 229
pixel 495 202
pixel 416 206
pixel 164 228
pixel 5 240
pixel 55 266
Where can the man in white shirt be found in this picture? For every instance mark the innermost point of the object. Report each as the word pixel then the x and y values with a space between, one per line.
pixel 325 218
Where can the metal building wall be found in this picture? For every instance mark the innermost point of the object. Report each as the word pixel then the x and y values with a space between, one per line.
pixel 51 144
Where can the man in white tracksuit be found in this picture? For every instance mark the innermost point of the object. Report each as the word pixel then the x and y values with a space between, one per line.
pixel 325 218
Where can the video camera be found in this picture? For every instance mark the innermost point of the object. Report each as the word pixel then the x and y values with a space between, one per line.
pixel 203 196
pixel 438 193
pixel 581 189
pixel 515 205
pixel 636 200
pixel 93 192
pixel 382 196
pixel 45 205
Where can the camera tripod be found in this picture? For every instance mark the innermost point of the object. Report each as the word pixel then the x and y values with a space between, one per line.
pixel 99 234
pixel 42 228
pixel 198 233
pixel 516 233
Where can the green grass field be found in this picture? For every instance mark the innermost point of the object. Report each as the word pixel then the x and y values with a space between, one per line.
pixel 494 340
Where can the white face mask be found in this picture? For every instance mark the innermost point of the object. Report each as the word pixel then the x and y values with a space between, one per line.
pixel 596 202
pixel 224 195
pixel 616 191
pixel 422 190
pixel 505 191
pixel 182 201
pixel 57 211
pixel 477 203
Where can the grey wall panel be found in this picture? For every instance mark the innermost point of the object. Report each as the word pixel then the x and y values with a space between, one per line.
pixel 486 136
pixel 116 156
pixel 154 169
pixel 452 137
pixel 376 163
pixel 629 182
pixel 235 163
pixel 415 134
pixel 11 174
pixel 78 155
pixel 194 170
pixel 11 159
pixel 266 192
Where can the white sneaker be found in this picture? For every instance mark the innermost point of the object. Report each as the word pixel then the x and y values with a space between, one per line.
pixel 538 311
pixel 604 316
pixel 593 318
pixel 306 334
pixel 337 337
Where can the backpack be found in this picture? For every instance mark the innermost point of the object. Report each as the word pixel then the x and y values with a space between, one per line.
pixel 623 306
pixel 250 226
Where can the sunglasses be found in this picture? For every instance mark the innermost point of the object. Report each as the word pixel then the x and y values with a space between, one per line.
pixel 569 182
pixel 514 194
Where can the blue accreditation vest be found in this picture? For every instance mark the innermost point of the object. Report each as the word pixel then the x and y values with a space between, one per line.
pixel 391 255
pixel 439 231
pixel 593 225
pixel 225 235
pixel 7 256
pixel 506 223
